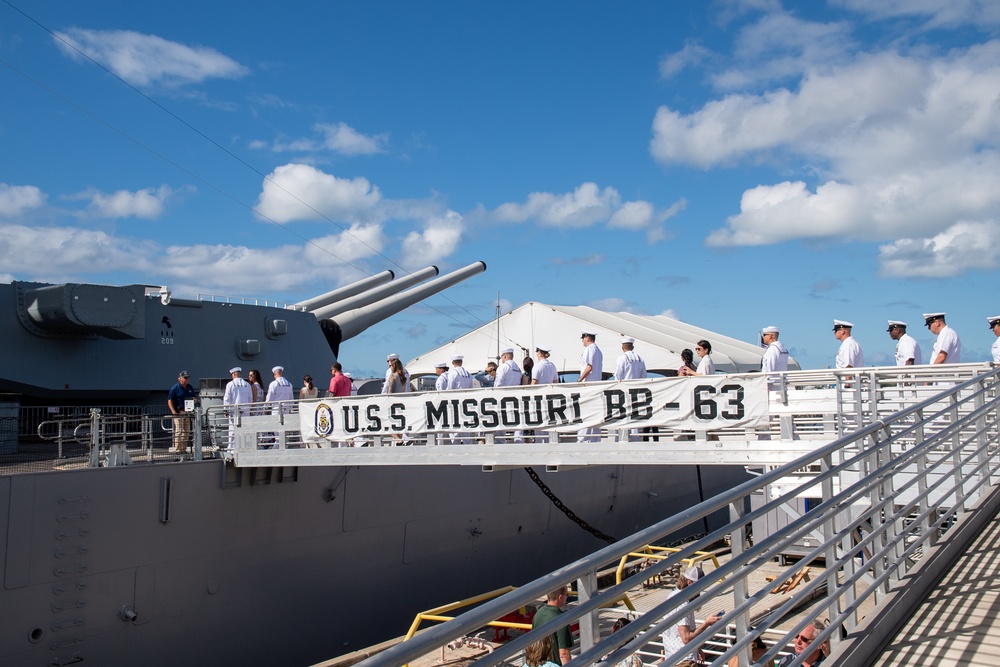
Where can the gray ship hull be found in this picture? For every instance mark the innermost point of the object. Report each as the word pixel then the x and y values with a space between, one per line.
pixel 287 566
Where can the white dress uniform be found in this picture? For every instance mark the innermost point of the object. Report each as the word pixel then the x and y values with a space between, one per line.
pixel 280 390
pixel 441 383
pixel 630 366
pixel 238 393
pixel 996 344
pixel 907 348
pixel 593 357
pixel 508 374
pixel 849 354
pixel 459 378
pixel 775 358
pixel 544 372
pixel 949 343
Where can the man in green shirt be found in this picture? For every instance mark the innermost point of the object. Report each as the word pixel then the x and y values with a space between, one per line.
pixel 562 640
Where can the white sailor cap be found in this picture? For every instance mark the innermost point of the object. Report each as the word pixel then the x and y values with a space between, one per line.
pixel 236 369
pixel 993 320
pixel 588 332
pixel 457 357
pixel 896 323
pixel 441 364
pixel 278 369
pixel 507 350
pixel 347 375
pixel 841 324
pixel 628 339
pixel 770 329
pixel 930 317
pixel 392 356
pixel 544 347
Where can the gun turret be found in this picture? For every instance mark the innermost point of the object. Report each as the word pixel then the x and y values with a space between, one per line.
pixel 75 309
pixel 376 294
pixel 350 324
pixel 346 291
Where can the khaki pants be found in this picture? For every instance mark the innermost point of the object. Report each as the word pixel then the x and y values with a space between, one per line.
pixel 182 432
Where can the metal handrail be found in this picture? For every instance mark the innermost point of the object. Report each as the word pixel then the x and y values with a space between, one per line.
pixel 945 445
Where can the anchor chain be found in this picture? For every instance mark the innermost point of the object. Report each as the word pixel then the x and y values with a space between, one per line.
pixel 570 514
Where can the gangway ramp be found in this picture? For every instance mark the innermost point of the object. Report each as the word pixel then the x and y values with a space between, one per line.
pixel 895 498
pixel 741 419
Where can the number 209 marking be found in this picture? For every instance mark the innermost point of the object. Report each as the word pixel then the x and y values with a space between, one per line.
pixel 706 402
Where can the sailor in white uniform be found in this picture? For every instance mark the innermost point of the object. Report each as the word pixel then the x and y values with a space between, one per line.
pixel 280 389
pixel 459 378
pixel 238 393
pixel 995 328
pixel 849 354
pixel 775 359
pixel 907 348
pixel 630 365
pixel 544 372
pixel 947 347
pixel 441 368
pixel 508 375
pixel 591 369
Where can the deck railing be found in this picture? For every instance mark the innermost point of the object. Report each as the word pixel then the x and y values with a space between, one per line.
pixel 886 497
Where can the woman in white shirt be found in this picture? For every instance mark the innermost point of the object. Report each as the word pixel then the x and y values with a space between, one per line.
pixel 706 366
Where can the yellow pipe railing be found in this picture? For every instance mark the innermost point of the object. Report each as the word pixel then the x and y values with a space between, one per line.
pixel 653 552
pixel 436 614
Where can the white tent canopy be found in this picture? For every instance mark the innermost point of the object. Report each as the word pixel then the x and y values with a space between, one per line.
pixel 658 339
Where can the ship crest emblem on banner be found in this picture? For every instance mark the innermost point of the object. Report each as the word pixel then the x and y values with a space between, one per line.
pixel 324 420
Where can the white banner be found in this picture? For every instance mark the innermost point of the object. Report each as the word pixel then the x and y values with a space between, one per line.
pixel 693 403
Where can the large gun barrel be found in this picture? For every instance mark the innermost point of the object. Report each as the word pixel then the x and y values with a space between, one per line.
pixel 346 291
pixel 375 294
pixel 354 322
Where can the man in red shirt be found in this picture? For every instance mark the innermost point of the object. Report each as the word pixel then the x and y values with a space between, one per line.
pixel 340 384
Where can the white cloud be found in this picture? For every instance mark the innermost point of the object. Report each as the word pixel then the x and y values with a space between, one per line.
pixel 586 206
pixel 145 60
pixel 779 46
pixel 904 147
pixel 16 200
pixel 60 250
pixel 690 55
pixel 583 207
pixel 344 139
pixel 616 305
pixel 147 203
pixel 358 242
pixel 939 13
pixel 338 138
pixel 438 240
pixel 302 192
pixel 963 246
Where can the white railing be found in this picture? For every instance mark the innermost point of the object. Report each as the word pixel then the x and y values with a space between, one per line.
pixel 890 497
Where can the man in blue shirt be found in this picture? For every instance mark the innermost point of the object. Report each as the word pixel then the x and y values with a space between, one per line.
pixel 179 394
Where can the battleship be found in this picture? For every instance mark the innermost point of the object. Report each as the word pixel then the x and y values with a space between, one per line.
pixel 164 562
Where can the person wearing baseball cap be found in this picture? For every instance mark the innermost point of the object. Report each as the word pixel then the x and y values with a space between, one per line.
pixel 907 348
pixel 849 354
pixel 947 347
pixel 676 637
pixel 179 394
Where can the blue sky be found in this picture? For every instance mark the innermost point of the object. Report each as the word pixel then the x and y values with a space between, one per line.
pixel 732 163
